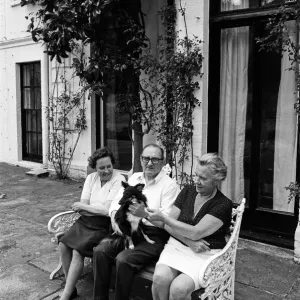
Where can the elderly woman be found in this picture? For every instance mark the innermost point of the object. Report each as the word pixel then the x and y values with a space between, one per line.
pixel 98 192
pixel 198 223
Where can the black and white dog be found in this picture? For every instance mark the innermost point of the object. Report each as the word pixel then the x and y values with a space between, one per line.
pixel 129 225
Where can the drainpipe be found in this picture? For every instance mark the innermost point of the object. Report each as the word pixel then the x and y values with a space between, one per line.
pixel 45 103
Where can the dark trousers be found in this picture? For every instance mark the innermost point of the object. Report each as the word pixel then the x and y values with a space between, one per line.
pixel 128 263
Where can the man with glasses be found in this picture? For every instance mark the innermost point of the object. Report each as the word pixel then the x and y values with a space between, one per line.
pixel 161 192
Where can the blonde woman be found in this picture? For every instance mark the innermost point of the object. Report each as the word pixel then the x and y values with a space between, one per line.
pixel 198 223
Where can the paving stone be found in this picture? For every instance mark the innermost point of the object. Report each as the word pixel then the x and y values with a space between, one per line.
pixel 13 203
pixel 262 271
pixel 26 282
pixel 50 261
pixel 294 293
pixel 244 292
pixel 47 262
pixel 38 173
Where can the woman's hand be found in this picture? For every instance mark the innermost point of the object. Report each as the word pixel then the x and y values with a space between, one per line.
pixel 114 224
pixel 198 246
pixel 78 206
pixel 155 215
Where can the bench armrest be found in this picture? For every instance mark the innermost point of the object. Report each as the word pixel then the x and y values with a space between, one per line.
pixel 62 222
pixel 221 265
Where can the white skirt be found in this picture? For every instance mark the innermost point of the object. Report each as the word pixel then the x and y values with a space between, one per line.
pixel 182 258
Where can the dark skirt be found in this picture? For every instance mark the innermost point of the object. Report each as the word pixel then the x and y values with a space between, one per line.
pixel 86 233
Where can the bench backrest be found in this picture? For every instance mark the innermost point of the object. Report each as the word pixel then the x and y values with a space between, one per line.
pixel 62 221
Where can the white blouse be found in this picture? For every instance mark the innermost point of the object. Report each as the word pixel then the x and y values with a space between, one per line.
pixel 96 194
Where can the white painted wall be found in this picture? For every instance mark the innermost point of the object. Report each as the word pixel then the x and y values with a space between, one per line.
pixel 16 46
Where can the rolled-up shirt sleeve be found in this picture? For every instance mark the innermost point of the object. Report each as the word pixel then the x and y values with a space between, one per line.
pixel 87 189
pixel 115 202
pixel 168 198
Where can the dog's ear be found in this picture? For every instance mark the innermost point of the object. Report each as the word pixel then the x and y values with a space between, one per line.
pixel 125 184
pixel 139 186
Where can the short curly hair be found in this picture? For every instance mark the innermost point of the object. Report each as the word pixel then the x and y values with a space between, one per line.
pixel 215 164
pixel 100 153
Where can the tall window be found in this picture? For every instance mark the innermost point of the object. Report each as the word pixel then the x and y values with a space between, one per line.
pixel 116 130
pixel 113 128
pixel 31 111
pixel 255 126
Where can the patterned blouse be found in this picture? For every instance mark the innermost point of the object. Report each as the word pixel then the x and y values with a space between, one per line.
pixel 219 206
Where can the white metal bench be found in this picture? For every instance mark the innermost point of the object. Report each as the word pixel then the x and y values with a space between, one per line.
pixel 216 276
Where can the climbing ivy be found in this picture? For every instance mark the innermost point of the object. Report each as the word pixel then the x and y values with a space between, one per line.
pixel 67 120
pixel 158 93
pixel 172 79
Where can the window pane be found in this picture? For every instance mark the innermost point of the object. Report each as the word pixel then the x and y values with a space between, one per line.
pixel 116 133
pixel 28 120
pixel 258 124
pixel 278 129
pixel 271 2
pixel 33 120
pixel 39 121
pixel 37 74
pixel 234 95
pixel 27 75
pixel 227 5
pixel 40 149
pixel 31 143
pixel 37 97
pixel 270 68
pixel 28 96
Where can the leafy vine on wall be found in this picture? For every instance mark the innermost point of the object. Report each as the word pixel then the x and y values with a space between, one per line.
pixel 67 120
pixel 158 93
pixel 172 79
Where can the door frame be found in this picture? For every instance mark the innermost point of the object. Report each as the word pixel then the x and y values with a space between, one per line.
pixel 258 223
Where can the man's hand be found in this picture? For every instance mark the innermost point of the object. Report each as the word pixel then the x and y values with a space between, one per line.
pixel 137 209
pixel 198 246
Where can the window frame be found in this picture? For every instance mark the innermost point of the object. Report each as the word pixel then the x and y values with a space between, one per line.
pixel 25 154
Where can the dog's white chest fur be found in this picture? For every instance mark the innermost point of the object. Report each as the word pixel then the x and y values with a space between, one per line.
pixel 134 221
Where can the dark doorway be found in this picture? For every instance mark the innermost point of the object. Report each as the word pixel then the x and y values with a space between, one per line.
pixel 31 112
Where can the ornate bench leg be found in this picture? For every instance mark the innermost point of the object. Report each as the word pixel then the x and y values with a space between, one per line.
pixel 56 271
pixel 232 285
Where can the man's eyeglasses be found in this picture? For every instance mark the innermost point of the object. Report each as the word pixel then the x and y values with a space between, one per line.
pixel 154 160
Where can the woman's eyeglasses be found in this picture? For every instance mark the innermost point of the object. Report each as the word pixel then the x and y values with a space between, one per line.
pixel 154 160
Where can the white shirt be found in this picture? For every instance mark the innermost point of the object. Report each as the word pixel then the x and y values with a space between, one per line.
pixel 97 194
pixel 161 193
